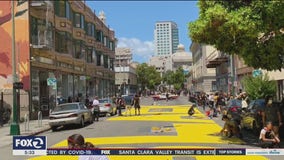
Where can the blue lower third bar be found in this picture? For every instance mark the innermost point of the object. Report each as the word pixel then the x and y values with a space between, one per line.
pixel 227 151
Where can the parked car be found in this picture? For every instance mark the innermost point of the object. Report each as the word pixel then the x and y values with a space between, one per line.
pixel 70 113
pixel 107 107
pixel 251 117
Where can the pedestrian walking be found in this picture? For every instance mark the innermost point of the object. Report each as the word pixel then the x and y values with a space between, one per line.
pixel 96 109
pixel 203 101
pixel 167 96
pixel 136 104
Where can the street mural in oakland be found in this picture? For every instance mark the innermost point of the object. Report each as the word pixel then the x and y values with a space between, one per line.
pixel 21 43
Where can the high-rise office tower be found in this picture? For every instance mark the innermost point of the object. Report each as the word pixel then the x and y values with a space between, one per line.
pixel 166 38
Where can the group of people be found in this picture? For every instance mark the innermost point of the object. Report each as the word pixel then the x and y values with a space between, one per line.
pixel 270 116
pixel 120 104
pixel 135 102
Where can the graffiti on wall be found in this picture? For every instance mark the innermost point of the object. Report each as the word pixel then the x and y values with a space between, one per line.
pixel 21 43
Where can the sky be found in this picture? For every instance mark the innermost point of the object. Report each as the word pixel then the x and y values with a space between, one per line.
pixel 134 22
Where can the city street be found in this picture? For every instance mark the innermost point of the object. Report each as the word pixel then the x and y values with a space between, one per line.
pixel 164 125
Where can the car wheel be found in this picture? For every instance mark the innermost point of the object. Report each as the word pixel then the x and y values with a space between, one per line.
pixel 82 124
pixel 54 128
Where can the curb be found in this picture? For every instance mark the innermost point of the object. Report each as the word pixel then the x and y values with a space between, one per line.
pixel 39 132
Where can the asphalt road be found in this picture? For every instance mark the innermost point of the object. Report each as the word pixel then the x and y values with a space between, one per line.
pixel 137 131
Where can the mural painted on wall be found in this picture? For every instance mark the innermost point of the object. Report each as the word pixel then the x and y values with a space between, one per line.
pixel 21 43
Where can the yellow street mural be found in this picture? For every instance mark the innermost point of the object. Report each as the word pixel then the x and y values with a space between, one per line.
pixel 195 130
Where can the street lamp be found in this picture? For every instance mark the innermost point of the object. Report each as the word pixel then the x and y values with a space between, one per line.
pixel 14 128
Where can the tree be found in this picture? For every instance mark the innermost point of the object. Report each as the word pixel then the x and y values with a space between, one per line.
pixel 178 78
pixel 251 29
pixel 168 77
pixel 259 87
pixel 147 76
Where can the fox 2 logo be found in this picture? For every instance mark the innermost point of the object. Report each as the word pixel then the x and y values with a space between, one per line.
pixel 29 142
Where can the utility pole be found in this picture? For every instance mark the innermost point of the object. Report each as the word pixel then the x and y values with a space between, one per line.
pixel 14 128
pixel 232 74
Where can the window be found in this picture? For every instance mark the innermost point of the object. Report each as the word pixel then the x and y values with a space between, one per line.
pixel 77 20
pixel 60 8
pixel 90 29
pixel 63 42
pixel 99 36
pixel 94 56
pixel 89 55
pixel 111 45
pixel 99 59
pixel 41 34
pixel 82 21
pixel 79 49
pixel 105 41
pixel 68 11
pixel 105 61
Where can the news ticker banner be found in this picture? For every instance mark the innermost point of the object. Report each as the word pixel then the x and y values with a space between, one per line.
pixel 36 145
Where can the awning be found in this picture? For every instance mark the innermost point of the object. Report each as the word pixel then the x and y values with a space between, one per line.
pixel 216 62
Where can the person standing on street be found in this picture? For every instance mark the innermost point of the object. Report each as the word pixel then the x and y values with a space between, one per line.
pixel 167 96
pixel 119 104
pixel 136 104
pixel 272 114
pixel 96 109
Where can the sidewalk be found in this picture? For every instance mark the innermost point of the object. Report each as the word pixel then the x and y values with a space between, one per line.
pixel 33 128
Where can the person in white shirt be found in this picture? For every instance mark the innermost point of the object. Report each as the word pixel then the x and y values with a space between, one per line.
pixel 267 137
pixel 96 109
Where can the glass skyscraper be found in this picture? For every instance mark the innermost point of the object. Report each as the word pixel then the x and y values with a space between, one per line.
pixel 166 38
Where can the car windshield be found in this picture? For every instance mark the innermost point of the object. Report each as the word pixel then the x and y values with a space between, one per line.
pixel 66 107
pixel 105 101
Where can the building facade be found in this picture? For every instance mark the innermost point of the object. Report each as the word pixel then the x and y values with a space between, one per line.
pixel 221 62
pixel 125 72
pixel 161 63
pixel 166 38
pixel 67 42
pixel 203 78
pixel 182 59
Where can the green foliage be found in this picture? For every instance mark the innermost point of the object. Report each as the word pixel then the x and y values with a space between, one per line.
pixel 243 27
pixel 168 77
pixel 147 76
pixel 259 87
pixel 176 78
